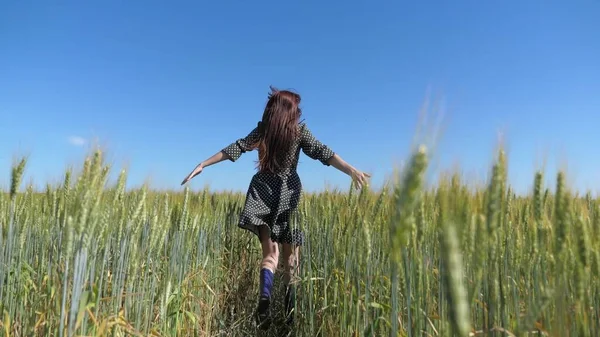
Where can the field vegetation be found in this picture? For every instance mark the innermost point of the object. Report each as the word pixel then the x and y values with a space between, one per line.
pixel 89 258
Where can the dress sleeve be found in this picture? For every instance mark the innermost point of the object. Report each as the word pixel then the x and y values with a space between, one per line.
pixel 242 145
pixel 313 148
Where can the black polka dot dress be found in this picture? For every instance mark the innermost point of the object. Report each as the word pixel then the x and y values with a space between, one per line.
pixel 272 199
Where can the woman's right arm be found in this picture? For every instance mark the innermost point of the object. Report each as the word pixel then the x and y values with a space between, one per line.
pixel 313 148
pixel 340 164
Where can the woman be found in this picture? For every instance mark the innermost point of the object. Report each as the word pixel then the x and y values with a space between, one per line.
pixel 275 190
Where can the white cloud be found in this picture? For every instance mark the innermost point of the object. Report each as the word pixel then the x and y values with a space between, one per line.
pixel 77 141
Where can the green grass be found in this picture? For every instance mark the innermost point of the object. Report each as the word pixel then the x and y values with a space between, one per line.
pixel 87 259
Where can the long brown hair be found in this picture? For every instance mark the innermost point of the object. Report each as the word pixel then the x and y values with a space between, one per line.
pixel 278 129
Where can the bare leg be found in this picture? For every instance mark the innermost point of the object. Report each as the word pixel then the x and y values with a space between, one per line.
pixel 270 250
pixel 268 266
pixel 291 256
pixel 291 260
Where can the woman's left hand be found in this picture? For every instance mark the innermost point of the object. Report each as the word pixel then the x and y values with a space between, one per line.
pixel 192 174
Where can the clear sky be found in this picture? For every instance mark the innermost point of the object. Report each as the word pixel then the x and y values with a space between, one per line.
pixel 164 85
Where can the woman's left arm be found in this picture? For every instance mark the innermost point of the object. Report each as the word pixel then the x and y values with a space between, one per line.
pixel 232 152
pixel 216 158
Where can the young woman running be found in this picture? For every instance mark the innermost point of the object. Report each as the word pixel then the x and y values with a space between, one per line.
pixel 275 190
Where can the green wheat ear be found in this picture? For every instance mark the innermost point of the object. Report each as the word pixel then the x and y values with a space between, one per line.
pixel 406 199
pixel 561 213
pixel 456 293
pixel 17 176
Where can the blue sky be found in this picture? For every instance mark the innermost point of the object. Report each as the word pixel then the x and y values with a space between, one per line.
pixel 164 85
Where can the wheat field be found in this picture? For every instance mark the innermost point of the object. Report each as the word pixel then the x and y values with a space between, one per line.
pixel 89 258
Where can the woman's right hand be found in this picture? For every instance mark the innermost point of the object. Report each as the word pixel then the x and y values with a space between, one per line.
pixel 360 178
